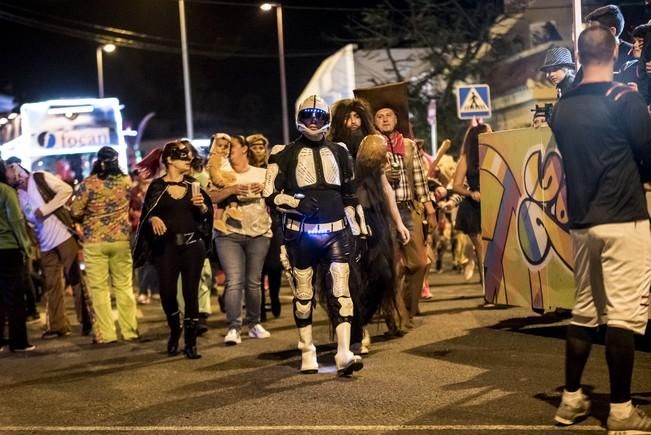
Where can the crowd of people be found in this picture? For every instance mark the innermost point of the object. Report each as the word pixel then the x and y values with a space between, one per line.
pixel 182 221
pixel 352 213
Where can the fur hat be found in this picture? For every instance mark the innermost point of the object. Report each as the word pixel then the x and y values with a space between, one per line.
pixel 394 96
pixel 557 57
pixel 609 16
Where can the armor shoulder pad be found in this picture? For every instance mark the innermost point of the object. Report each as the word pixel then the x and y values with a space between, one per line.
pixel 277 149
pixel 341 144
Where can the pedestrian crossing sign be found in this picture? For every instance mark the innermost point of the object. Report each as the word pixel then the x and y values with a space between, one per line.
pixel 473 101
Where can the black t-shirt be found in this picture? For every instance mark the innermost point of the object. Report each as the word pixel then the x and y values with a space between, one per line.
pixel 178 214
pixel 603 132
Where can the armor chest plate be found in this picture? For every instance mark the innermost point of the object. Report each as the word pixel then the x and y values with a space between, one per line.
pixel 317 167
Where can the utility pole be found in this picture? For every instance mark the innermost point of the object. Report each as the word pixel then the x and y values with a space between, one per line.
pixel 186 72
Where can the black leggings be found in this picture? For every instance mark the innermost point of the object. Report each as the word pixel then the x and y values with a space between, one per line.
pixel 188 261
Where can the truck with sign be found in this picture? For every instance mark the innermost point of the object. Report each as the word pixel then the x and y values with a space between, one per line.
pixel 63 136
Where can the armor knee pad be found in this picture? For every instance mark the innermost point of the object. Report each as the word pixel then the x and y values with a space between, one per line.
pixel 304 289
pixel 303 309
pixel 345 308
pixel 340 273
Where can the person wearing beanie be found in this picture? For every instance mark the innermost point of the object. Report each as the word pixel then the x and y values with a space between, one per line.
pixel 101 204
pixel 635 73
pixel 611 17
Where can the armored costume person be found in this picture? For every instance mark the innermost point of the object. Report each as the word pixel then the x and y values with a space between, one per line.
pixel 311 182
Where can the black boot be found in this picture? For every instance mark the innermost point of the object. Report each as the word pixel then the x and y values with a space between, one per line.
pixel 191 327
pixel 174 322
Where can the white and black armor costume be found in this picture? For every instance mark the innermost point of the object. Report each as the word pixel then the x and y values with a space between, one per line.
pixel 311 181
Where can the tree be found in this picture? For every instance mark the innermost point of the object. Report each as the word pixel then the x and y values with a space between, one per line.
pixel 460 40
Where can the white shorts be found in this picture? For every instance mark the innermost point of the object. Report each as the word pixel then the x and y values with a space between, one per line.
pixel 612 272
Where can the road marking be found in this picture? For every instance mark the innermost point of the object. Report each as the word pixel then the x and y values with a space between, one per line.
pixel 308 428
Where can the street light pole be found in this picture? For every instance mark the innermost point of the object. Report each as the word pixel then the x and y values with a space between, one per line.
pixel 99 56
pixel 281 60
pixel 186 71
pixel 100 72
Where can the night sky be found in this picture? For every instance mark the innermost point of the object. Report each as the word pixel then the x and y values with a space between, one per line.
pixel 230 92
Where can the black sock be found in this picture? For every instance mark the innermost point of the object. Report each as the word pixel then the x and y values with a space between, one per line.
pixel 620 352
pixel 577 351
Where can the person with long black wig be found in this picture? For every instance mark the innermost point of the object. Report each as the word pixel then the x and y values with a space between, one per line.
pixel 101 204
pixel 175 231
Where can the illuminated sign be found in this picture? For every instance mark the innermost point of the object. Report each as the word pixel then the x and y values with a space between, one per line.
pixel 74 138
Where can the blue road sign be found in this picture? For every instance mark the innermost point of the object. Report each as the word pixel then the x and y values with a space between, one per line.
pixel 473 101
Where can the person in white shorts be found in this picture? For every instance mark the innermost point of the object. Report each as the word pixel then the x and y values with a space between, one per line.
pixel 603 132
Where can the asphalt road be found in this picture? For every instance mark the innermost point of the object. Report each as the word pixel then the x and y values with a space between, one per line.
pixel 463 369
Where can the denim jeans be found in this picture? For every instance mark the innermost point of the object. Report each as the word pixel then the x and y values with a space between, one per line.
pixel 147 279
pixel 242 258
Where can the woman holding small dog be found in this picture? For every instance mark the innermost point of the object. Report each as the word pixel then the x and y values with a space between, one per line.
pixel 242 245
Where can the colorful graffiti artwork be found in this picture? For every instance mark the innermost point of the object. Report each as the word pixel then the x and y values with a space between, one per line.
pixel 528 250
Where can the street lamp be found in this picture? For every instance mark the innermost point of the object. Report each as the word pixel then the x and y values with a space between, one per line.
pixel 109 48
pixel 281 60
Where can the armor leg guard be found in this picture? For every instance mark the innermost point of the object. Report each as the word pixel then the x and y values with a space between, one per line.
pixel 309 364
pixel 340 273
pixel 303 297
pixel 345 360
pixel 366 342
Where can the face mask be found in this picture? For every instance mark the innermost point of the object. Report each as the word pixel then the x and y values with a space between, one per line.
pixel 180 154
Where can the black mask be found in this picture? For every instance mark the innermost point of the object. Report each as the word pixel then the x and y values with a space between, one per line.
pixel 180 154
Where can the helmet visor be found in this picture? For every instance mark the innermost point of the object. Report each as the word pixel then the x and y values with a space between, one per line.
pixel 313 116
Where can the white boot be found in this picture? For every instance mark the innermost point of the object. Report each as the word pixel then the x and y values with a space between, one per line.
pixel 309 364
pixel 366 342
pixel 345 360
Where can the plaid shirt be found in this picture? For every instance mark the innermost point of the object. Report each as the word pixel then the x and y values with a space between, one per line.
pixel 403 190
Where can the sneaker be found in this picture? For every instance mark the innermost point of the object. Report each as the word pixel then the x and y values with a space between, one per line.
pixel 28 348
pixel 143 299
pixel 232 337
pixel 48 335
pixel 570 413
pixel 636 423
pixel 258 331
pixel 469 270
